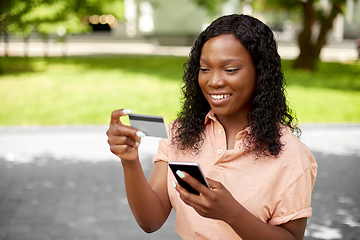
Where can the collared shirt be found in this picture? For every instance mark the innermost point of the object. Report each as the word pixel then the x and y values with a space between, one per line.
pixel 274 189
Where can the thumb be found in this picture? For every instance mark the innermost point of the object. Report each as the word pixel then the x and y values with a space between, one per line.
pixel 214 184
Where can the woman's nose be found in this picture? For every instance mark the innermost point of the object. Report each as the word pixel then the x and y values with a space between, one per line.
pixel 216 80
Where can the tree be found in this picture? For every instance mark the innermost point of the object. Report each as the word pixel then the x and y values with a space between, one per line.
pixel 11 12
pixel 212 6
pixel 53 16
pixel 312 13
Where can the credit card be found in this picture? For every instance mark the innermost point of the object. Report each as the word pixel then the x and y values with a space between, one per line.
pixel 151 125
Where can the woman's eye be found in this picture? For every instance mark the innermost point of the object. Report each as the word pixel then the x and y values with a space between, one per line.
pixel 232 70
pixel 204 69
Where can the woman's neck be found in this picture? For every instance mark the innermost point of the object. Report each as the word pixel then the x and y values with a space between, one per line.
pixel 232 126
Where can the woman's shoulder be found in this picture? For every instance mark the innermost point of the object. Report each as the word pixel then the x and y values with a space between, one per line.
pixel 291 140
pixel 294 151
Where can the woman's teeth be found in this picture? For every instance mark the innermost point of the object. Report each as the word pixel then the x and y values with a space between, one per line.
pixel 218 97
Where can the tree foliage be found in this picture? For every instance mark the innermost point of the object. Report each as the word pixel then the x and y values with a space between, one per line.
pixel 212 6
pixel 46 16
pixel 314 13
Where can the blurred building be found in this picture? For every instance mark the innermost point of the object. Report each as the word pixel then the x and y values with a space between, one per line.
pixel 174 22
pixel 168 22
pixel 352 20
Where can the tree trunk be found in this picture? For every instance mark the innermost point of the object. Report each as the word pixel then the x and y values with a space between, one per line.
pixel 306 58
pixel 6 43
pixel 64 46
pixel 46 45
pixel 327 24
pixel 309 51
pixel 26 46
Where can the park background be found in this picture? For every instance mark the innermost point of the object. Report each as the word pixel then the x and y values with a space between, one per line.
pixel 60 82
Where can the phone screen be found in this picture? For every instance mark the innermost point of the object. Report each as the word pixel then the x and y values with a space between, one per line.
pixel 191 168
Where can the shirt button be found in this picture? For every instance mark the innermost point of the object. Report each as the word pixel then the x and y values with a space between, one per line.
pixel 219 151
pixel 220 131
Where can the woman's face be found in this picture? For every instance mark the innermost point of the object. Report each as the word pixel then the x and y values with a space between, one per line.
pixel 227 76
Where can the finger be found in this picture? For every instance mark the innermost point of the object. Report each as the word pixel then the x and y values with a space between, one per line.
pixel 124 130
pixel 213 184
pixel 186 197
pixel 115 116
pixel 123 140
pixel 191 200
pixel 194 183
pixel 134 134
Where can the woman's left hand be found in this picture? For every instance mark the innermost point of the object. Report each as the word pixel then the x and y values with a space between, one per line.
pixel 215 202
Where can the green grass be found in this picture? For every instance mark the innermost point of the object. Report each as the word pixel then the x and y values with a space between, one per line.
pixel 85 90
pixel 329 95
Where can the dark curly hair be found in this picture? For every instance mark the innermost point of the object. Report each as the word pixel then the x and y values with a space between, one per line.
pixel 269 104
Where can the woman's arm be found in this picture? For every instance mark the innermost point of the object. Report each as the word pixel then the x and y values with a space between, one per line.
pixel 248 226
pixel 149 201
pixel 218 203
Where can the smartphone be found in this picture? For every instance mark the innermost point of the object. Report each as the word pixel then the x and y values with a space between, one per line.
pixel 191 168
pixel 151 125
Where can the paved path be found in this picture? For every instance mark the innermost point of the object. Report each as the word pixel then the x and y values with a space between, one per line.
pixel 63 183
pixel 103 44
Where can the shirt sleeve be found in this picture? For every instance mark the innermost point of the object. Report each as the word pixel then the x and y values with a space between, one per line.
pixel 163 151
pixel 295 202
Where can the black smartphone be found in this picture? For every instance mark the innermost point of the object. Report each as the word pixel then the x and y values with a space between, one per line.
pixel 191 168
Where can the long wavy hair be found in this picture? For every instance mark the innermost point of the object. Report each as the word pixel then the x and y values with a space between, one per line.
pixel 269 104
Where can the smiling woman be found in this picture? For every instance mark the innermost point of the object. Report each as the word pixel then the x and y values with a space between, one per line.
pixel 235 123
pixel 255 58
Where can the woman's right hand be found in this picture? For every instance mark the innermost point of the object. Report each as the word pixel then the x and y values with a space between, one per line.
pixel 124 140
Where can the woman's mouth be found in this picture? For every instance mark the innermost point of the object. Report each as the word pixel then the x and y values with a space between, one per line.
pixel 219 96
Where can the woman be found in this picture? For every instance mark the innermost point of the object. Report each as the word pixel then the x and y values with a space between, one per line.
pixel 236 124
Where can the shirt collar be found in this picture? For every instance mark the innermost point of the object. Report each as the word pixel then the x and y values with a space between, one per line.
pixel 211 116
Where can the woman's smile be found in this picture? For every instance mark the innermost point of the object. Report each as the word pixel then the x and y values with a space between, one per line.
pixel 219 98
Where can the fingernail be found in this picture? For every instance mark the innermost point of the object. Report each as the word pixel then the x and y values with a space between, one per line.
pixel 137 144
pixel 174 184
pixel 140 134
pixel 180 174
pixel 127 111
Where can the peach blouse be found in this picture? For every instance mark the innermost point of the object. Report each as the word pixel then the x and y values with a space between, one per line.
pixel 274 189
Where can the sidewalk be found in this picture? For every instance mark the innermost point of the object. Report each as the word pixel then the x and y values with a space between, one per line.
pixel 63 183
pixel 106 45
